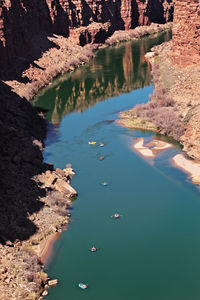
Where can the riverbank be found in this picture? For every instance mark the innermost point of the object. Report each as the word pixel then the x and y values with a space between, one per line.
pixel 66 54
pixel 33 226
pixel 173 109
pixel 189 166
pixel 21 268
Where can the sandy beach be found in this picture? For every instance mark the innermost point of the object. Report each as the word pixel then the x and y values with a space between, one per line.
pixel 46 246
pixel 189 166
pixel 150 149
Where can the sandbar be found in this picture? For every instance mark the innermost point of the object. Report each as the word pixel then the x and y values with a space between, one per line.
pixel 152 148
pixel 189 166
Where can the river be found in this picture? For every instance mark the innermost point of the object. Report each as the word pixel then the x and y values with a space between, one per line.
pixel 153 250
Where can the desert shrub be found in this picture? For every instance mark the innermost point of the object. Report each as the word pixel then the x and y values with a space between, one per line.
pixel 161 111
pixel 74 62
pixel 168 122
pixel 32 263
pixel 166 101
pixel 30 277
pixel 58 202
pixel 61 211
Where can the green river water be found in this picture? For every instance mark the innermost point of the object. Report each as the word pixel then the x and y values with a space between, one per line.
pixel 153 251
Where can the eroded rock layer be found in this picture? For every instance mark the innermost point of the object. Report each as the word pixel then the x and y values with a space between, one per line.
pixel 186 33
pixel 20 20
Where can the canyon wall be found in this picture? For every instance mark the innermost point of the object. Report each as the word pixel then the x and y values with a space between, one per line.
pixel 20 20
pixel 186 32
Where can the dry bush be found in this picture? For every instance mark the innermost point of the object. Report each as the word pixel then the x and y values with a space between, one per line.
pixel 59 203
pixel 61 211
pixel 161 110
pixel 168 121
pixel 30 277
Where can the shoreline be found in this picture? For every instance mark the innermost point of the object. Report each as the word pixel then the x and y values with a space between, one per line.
pixel 188 166
pixel 135 124
pixel 69 55
pixel 46 247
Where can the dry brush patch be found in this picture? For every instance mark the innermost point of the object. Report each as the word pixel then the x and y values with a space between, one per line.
pixel 138 32
pixel 160 111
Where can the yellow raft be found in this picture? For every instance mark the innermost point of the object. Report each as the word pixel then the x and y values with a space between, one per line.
pixel 92 143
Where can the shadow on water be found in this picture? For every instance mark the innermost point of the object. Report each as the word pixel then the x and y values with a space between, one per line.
pixel 94 82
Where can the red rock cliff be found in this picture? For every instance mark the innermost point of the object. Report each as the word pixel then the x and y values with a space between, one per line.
pixel 186 32
pixel 20 20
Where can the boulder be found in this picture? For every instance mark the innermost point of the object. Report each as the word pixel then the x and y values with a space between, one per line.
pixel 53 282
pixel 149 54
pixel 64 188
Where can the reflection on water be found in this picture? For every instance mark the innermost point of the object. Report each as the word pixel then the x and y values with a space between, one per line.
pixel 94 82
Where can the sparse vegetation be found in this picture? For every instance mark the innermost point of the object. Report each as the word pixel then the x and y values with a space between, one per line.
pixel 160 111
pixel 122 36
pixel 58 203
pixel 53 64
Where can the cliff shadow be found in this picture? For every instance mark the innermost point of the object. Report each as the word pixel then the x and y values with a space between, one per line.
pixel 111 11
pixel 61 19
pixel 155 11
pixel 26 37
pixel 22 131
pixel 74 22
pixel 87 14
pixel 134 14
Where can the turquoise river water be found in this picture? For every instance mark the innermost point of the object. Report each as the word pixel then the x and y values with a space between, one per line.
pixel 153 251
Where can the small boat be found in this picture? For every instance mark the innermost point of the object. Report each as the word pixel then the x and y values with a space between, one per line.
pixel 82 286
pixel 105 183
pixel 101 145
pixel 93 249
pixel 92 143
pixel 101 158
pixel 116 216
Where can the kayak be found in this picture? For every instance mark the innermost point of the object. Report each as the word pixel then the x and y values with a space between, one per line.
pixel 82 286
pixel 92 143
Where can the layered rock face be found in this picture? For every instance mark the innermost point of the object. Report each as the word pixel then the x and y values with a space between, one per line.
pixel 186 33
pixel 20 20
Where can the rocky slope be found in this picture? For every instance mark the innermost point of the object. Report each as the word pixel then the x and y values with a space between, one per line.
pixel 32 205
pixel 20 20
pixel 186 33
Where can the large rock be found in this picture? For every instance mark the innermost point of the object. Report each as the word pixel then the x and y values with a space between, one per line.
pixel 59 180
pixel 65 188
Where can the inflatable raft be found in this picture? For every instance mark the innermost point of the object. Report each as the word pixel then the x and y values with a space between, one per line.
pixel 92 143
pixel 82 286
